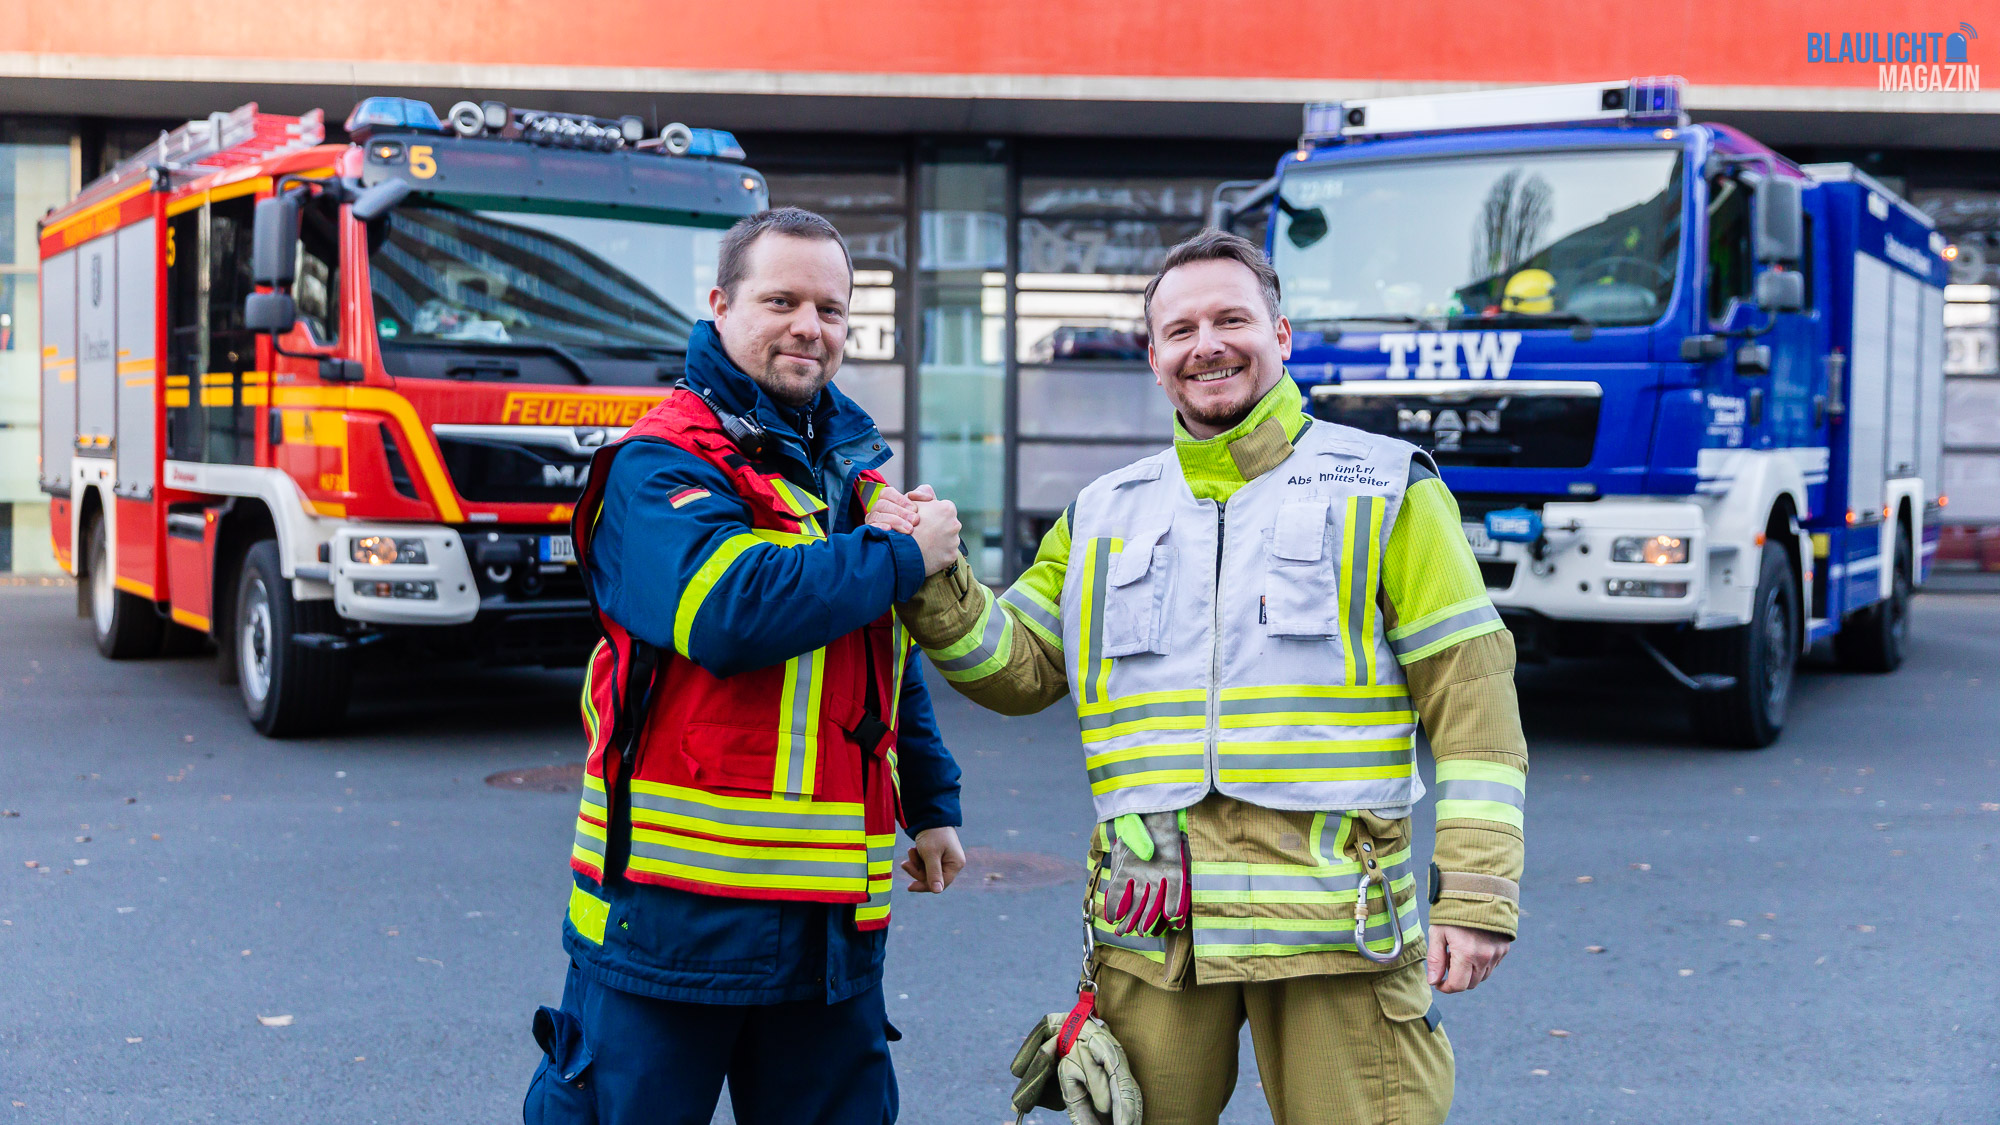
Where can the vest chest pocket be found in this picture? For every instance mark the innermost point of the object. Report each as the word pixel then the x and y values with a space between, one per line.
pixel 1136 592
pixel 1301 583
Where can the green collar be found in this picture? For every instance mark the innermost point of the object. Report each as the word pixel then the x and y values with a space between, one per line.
pixel 1216 467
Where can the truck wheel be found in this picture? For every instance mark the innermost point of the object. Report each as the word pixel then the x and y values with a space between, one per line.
pixel 1761 655
pixel 288 689
pixel 126 626
pixel 1875 639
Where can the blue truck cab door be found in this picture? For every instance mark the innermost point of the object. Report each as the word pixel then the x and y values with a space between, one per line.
pixel 1760 392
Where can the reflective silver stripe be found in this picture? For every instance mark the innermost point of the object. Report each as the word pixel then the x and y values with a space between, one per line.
pixel 1478 615
pixel 749 818
pixel 1482 791
pixel 1246 883
pixel 1146 764
pixel 1093 639
pixel 989 642
pixel 842 863
pixel 1360 595
pixel 589 843
pixel 803 733
pixel 1178 709
pixel 1330 759
pixel 1248 931
pixel 1332 705
pixel 1027 608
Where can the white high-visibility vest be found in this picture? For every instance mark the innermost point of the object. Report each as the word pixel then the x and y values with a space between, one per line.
pixel 1238 646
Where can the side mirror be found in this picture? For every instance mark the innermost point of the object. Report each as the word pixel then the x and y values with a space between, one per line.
pixel 274 240
pixel 271 313
pixel 1777 219
pixel 1781 291
pixel 377 201
pixel 1308 225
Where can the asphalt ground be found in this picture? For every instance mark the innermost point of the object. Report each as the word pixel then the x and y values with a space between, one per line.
pixel 1799 934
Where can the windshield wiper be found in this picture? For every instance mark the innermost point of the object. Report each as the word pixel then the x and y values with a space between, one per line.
pixel 1580 327
pixel 561 354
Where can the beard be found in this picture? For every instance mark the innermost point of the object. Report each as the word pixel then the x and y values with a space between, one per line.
pixel 792 383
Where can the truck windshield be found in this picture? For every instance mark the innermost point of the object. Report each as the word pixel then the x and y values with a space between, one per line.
pixel 594 293
pixel 1526 239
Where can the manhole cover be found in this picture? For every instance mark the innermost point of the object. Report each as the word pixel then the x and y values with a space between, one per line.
pixel 995 870
pixel 566 778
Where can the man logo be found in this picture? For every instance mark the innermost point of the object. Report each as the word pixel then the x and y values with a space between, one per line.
pixel 564 476
pixel 1448 427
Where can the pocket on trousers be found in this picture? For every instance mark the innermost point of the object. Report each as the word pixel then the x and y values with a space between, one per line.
pixel 562 1092
pixel 1404 994
pixel 1301 583
pixel 1136 595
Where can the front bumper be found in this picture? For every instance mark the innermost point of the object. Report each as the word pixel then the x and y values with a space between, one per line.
pixel 446 570
pixel 1568 574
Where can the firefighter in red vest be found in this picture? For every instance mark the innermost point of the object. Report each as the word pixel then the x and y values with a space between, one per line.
pixel 758 728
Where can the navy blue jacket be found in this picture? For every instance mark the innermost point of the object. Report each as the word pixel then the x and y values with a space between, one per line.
pixel 678 945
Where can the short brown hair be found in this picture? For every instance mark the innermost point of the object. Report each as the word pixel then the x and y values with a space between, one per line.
pixel 734 256
pixel 1218 246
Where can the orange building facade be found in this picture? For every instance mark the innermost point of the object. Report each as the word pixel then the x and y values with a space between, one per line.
pixel 1008 171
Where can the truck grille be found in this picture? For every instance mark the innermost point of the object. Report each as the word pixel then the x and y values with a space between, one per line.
pixel 527 468
pixel 1530 426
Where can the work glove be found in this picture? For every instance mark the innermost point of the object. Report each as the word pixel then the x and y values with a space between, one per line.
pixel 1091 1082
pixel 1146 891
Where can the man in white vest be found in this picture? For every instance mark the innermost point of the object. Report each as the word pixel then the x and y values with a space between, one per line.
pixel 1252 625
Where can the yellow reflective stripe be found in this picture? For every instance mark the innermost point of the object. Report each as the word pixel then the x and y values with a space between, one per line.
pixel 703 584
pixel 588 914
pixel 786 538
pixel 1480 810
pixel 747 880
pixel 1092 669
pixel 983 649
pixel 1297 897
pixel 1156 722
pixel 1474 769
pixel 594 782
pixel 590 720
pixel 899 645
pixel 1316 718
pixel 1143 698
pixel 1150 777
pixel 790 809
pixel 798 726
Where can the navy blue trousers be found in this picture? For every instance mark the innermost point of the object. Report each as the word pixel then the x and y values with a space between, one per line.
pixel 618 1058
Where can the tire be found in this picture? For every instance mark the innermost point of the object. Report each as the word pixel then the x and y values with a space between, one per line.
pixel 1876 639
pixel 1763 656
pixel 288 689
pixel 124 625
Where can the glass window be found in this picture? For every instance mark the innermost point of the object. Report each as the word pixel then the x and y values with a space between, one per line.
pixel 1521 239
pixel 1729 251
pixel 231 437
pixel 963 294
pixel 34 177
pixel 317 286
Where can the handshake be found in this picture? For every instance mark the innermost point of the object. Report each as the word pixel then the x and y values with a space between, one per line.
pixel 932 522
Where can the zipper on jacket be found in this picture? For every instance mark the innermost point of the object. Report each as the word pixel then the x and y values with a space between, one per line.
pixel 1215 652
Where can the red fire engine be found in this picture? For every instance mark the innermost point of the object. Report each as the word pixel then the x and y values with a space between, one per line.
pixel 302 397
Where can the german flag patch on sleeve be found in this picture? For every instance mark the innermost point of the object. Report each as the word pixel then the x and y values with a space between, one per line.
pixel 687 496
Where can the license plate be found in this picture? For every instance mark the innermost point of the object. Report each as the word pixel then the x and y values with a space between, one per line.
pixel 558 549
pixel 1483 545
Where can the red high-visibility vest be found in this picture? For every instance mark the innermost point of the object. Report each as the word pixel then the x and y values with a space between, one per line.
pixel 759 785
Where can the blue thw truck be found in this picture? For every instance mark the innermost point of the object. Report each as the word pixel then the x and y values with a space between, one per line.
pixel 1686 391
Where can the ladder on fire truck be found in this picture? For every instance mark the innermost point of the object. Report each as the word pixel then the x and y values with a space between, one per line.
pixel 218 142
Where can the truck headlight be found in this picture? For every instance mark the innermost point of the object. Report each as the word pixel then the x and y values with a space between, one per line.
pixel 1656 550
pixel 381 550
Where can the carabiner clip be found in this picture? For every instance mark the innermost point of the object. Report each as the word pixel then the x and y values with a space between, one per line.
pixel 1361 919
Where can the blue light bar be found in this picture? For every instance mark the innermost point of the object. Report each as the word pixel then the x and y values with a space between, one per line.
pixel 377 113
pixel 1638 101
pixel 1323 121
pixel 717 143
